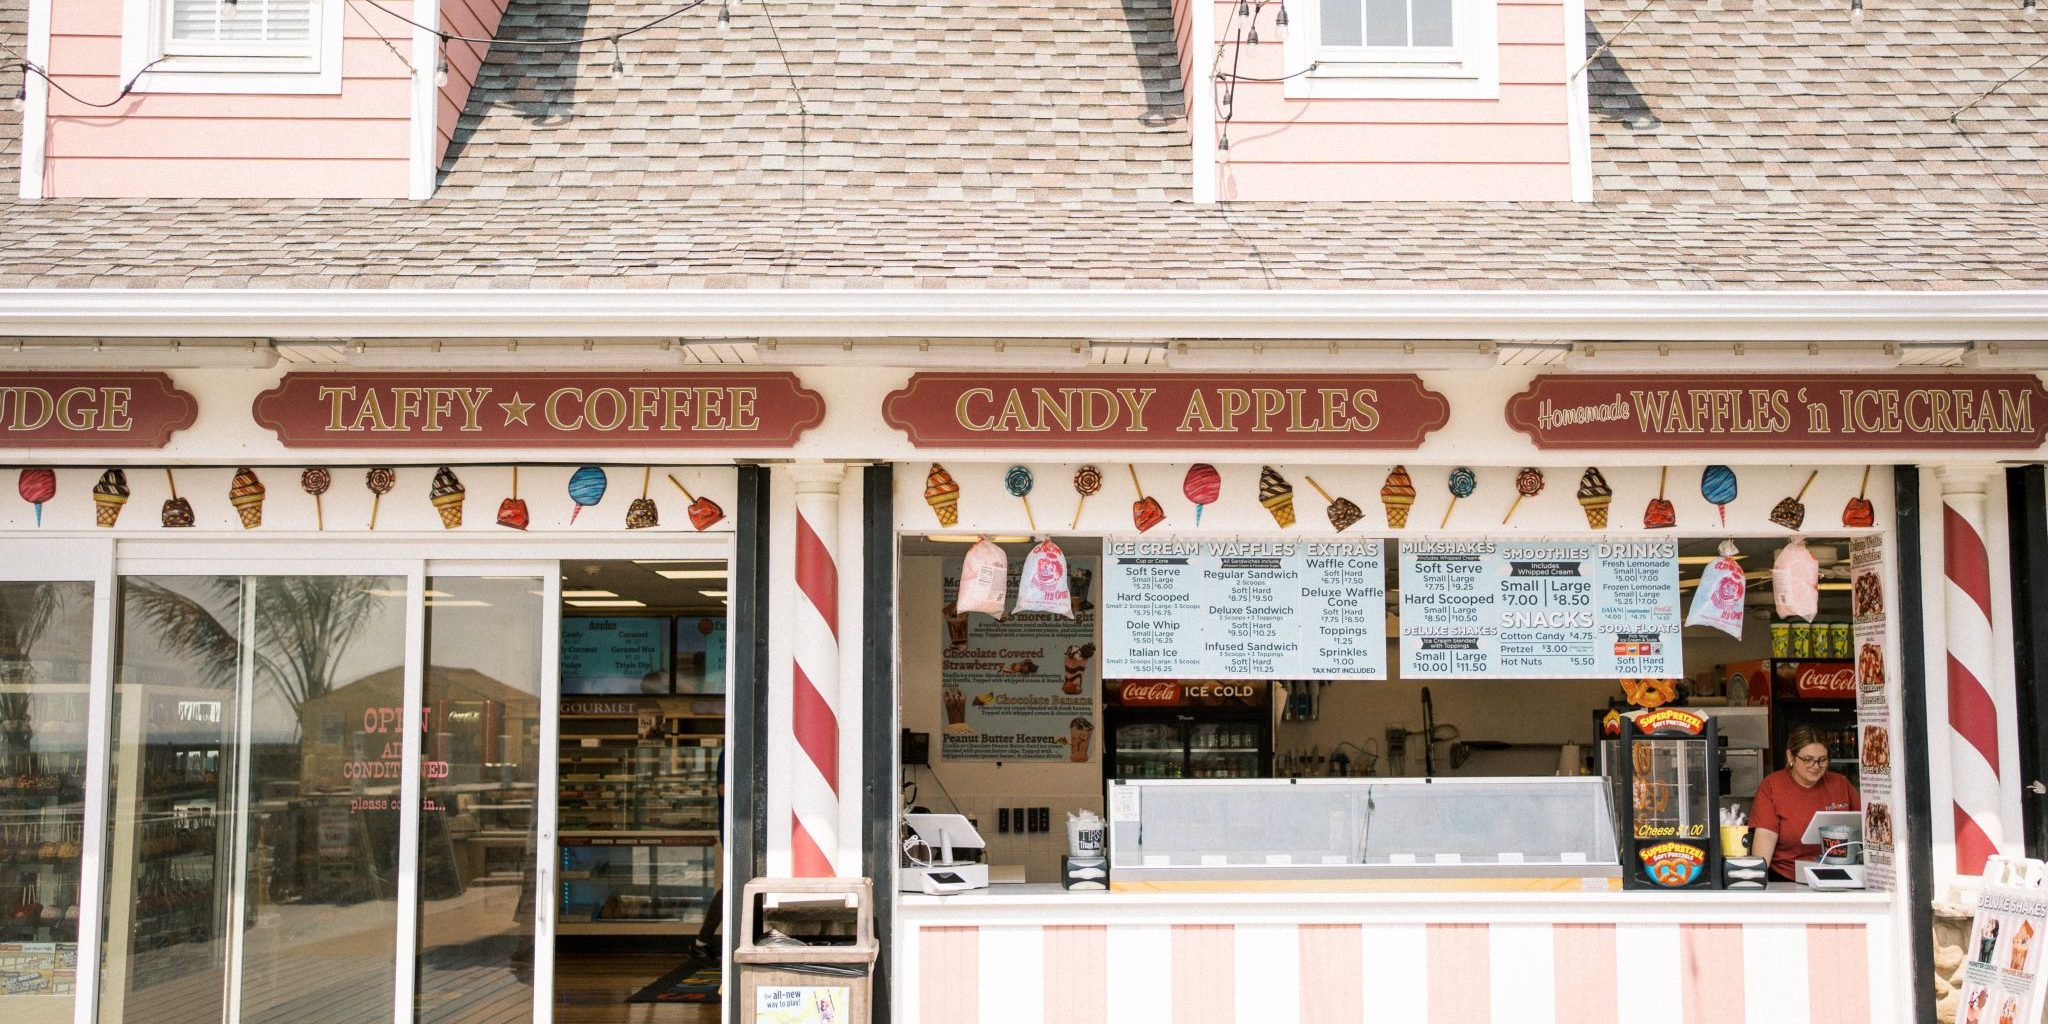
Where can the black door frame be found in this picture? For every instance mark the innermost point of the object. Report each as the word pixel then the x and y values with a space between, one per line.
pixel 746 734
pixel 1919 815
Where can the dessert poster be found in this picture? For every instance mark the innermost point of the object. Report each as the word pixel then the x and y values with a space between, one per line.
pixel 1020 688
pixel 1868 598
pixel 2002 977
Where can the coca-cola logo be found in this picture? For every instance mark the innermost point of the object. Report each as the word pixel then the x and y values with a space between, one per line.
pixel 1832 681
pixel 1155 694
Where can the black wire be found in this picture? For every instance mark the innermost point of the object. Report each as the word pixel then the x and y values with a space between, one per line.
pixel 126 88
pixel 1232 76
pixel 539 44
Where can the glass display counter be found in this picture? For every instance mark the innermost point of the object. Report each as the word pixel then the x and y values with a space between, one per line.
pixel 1362 834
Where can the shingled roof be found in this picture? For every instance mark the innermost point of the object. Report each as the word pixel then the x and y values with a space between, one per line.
pixel 1744 101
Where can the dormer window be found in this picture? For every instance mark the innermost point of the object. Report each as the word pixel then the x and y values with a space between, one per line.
pixel 247 46
pixel 1420 49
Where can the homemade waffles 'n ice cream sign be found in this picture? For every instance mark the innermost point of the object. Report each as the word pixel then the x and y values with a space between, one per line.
pixel 1166 410
pixel 1925 411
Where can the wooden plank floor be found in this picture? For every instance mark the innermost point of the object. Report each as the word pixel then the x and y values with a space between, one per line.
pixel 591 988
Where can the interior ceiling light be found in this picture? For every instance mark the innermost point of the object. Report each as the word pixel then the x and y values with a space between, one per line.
pixel 691 574
pixel 588 593
pixel 621 603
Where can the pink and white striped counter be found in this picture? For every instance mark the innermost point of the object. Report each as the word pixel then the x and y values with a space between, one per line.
pixel 1030 954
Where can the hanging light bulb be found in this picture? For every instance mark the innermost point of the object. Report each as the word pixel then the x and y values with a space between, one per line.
pixel 618 62
pixel 2029 8
pixel 1856 12
pixel 1244 8
pixel 1223 144
pixel 227 8
pixel 441 69
pixel 20 96
pixel 1280 20
pixel 1253 37
pixel 725 17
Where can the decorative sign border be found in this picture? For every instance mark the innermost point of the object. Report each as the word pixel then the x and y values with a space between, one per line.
pixel 41 409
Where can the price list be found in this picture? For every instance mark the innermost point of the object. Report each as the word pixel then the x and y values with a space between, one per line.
pixel 1244 610
pixel 1541 610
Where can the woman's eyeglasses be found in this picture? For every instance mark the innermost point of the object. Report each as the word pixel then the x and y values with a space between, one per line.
pixel 1812 762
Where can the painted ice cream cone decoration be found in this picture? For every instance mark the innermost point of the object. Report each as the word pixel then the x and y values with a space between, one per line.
pixel 586 488
pixel 177 511
pixel 1145 512
pixel 1791 512
pixel 1462 483
pixel 108 496
pixel 942 493
pixel 38 485
pixel 1018 482
pixel 316 482
pixel 1344 513
pixel 1397 495
pixel 1528 484
pixel 1660 514
pixel 1277 495
pixel 1717 485
pixel 246 495
pixel 641 513
pixel 1595 497
pixel 1087 480
pixel 702 511
pixel 447 495
pixel 1202 486
pixel 1859 512
pixel 512 511
pixel 380 481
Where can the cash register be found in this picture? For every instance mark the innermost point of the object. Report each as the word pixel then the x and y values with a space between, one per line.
pixel 942 855
pixel 1832 871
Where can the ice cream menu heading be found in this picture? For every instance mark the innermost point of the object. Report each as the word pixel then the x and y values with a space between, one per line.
pixel 1540 610
pixel 1244 609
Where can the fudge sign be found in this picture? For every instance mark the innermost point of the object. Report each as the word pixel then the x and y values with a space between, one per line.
pixel 559 410
pixel 1165 410
pixel 91 410
pixel 1914 411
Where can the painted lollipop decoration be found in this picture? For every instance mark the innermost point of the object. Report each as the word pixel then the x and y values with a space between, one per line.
pixel 1660 514
pixel 703 511
pixel 1277 495
pixel 1344 513
pixel 380 481
pixel 177 511
pixel 1791 513
pixel 1145 512
pixel 1087 480
pixel 37 486
pixel 1528 484
pixel 512 510
pixel 1018 482
pixel 316 482
pixel 586 488
pixel 108 496
pixel 1859 512
pixel 1462 482
pixel 1202 486
pixel 1717 485
pixel 641 513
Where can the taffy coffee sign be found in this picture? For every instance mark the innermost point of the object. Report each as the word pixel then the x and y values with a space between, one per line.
pixel 1923 411
pixel 1165 410
pixel 91 410
pixel 539 410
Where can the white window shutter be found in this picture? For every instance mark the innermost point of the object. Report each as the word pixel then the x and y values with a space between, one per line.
pixel 248 21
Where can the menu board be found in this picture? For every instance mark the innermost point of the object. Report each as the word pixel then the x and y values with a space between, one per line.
pixel 1022 687
pixel 1512 609
pixel 1874 689
pixel 615 654
pixel 2002 976
pixel 1258 609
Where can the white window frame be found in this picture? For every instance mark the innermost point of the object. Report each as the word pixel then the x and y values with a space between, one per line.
pixel 1469 69
pixel 144 32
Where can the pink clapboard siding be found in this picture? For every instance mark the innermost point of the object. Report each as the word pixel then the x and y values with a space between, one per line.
pixel 474 19
pixel 1184 44
pixel 225 146
pixel 1472 973
pixel 1514 148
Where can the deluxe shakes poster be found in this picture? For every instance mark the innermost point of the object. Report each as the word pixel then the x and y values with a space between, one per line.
pixel 1259 609
pixel 1019 688
pixel 1510 609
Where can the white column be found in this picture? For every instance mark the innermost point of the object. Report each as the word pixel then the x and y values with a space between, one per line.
pixel 815 795
pixel 1969 672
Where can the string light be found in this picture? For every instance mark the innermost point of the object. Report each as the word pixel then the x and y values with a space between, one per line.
pixel 618 62
pixel 441 69
pixel 2029 8
pixel 725 17
pixel 20 92
pixel 1856 12
pixel 227 8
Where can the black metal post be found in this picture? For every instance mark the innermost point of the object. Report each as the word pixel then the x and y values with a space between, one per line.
pixel 2026 513
pixel 878 769
pixel 746 735
pixel 1913 701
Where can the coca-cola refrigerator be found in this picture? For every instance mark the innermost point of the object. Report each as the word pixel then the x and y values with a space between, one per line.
pixel 1187 729
pixel 1814 692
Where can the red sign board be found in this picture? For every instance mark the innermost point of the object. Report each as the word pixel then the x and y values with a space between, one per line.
pixel 1926 411
pixel 91 410
pixel 1824 680
pixel 540 410
pixel 1168 693
pixel 1165 410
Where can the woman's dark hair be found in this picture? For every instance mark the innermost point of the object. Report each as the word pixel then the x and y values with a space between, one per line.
pixel 1801 738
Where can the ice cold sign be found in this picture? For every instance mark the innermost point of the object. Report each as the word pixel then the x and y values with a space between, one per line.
pixel 1268 609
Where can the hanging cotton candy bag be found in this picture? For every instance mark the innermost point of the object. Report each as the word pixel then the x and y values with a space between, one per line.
pixel 1718 601
pixel 1043 587
pixel 984 579
pixel 1795 581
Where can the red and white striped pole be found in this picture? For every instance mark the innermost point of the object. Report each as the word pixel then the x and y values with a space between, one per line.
pixel 1972 710
pixel 814 673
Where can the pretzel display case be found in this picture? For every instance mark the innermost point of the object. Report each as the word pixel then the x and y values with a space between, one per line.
pixel 1663 783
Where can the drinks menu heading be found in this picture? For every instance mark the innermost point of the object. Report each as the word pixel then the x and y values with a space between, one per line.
pixel 1540 610
pixel 1266 609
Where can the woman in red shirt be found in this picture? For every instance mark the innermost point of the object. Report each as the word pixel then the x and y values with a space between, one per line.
pixel 1787 800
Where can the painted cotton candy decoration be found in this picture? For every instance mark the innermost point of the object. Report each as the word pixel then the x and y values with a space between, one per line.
pixel 37 486
pixel 1718 600
pixel 586 488
pixel 1043 585
pixel 984 580
pixel 1795 581
pixel 1717 485
pixel 1202 485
